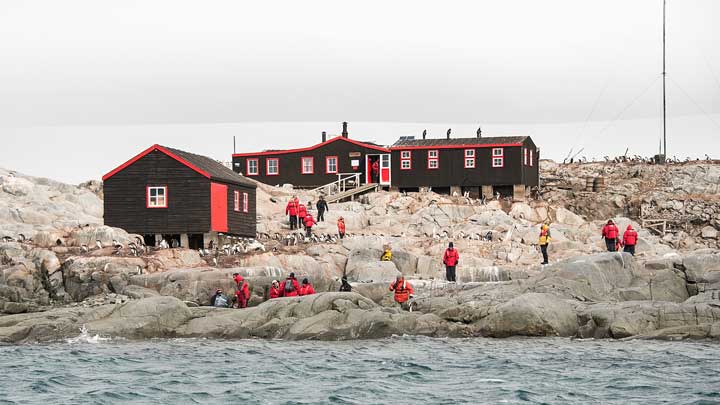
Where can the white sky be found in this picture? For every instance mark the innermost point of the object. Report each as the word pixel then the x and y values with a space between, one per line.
pixel 84 85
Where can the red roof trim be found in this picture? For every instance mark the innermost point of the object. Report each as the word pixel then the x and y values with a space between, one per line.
pixel 467 146
pixel 146 152
pixel 337 138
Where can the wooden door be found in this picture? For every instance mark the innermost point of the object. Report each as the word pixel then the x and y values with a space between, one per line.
pixel 218 207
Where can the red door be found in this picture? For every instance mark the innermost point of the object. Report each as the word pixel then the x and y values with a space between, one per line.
pixel 218 207
pixel 385 169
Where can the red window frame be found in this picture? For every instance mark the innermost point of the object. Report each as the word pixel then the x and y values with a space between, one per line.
pixel 236 201
pixel 257 167
pixel 302 165
pixel 469 158
pixel 327 165
pixel 267 166
pixel 435 159
pixel 147 196
pixel 406 159
pixel 500 156
pixel 246 204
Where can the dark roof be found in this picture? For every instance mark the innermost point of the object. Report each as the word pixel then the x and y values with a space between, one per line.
pixel 215 169
pixel 492 140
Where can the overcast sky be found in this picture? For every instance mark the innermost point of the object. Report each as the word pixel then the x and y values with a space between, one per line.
pixel 84 85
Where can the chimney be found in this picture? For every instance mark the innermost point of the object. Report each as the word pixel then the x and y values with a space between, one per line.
pixel 479 132
pixel 324 136
pixel 344 132
pixel 448 133
pixel 424 133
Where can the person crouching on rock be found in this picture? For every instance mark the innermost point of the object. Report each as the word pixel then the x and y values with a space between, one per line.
pixel 403 292
pixel 450 259
pixel 630 238
pixel 275 290
pixel 219 300
pixel 341 227
pixel 610 233
pixel 306 288
pixel 345 286
pixel 309 222
pixel 290 287
pixel 544 241
pixel 242 291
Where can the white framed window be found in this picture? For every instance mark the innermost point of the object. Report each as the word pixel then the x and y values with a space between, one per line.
pixel 433 160
pixel 308 165
pixel 469 158
pixel 406 154
pixel 331 164
pixel 236 201
pixel 272 166
pixel 157 197
pixel 498 157
pixel 525 156
pixel 252 167
pixel 531 157
pixel 405 164
pixel 246 203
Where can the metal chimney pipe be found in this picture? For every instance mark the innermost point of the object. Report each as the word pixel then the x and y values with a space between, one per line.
pixel 479 132
pixel 448 133
pixel 324 136
pixel 424 133
pixel 345 132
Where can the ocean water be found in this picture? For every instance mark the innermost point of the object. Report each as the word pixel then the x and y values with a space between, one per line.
pixel 401 370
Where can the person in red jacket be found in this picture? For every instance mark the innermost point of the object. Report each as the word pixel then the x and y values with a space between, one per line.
pixel 309 222
pixel 341 227
pixel 302 213
pixel 290 287
pixel 242 291
pixel 306 288
pixel 376 171
pixel 292 211
pixel 630 238
pixel 450 259
pixel 275 291
pixel 610 233
pixel 403 292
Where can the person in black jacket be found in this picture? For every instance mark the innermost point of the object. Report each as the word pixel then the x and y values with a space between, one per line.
pixel 345 286
pixel 322 206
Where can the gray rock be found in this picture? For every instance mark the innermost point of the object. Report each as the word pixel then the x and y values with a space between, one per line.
pixel 531 315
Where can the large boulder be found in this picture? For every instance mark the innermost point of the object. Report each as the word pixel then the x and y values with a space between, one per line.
pixel 531 315
pixel 147 318
pixel 365 265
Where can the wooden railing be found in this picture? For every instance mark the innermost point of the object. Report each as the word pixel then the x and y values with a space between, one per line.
pixel 345 181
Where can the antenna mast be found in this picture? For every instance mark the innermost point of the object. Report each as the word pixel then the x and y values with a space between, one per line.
pixel 663 75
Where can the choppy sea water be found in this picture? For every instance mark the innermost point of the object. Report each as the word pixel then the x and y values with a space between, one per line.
pixel 401 370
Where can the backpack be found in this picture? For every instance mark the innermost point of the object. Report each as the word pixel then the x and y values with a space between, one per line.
pixel 289 287
pixel 221 301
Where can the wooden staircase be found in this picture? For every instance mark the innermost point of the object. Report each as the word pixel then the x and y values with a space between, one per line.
pixel 347 186
pixel 351 193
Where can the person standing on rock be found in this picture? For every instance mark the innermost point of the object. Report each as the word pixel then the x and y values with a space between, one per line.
pixel 341 227
pixel 630 238
pixel 302 213
pixel 292 210
pixel 306 288
pixel 275 291
pixel 610 233
pixel 322 206
pixel 403 292
pixel 290 287
pixel 544 241
pixel 450 260
pixel 242 291
pixel 309 221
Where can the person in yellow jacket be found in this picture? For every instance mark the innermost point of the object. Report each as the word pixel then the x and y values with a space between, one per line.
pixel 544 241
pixel 387 255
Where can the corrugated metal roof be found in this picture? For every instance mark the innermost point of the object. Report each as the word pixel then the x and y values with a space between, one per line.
pixel 459 141
pixel 217 170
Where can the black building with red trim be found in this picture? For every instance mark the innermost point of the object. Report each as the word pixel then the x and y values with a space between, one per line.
pixel 166 193
pixel 507 165
pixel 480 166
pixel 317 165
